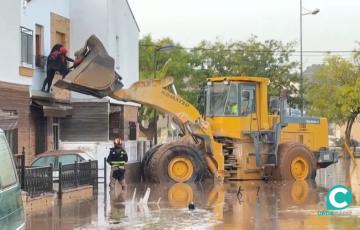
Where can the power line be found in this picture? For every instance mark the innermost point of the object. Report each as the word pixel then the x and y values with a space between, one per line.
pixel 263 51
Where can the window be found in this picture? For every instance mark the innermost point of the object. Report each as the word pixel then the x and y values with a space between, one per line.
pixel 12 138
pixel 40 134
pixel 79 159
pixel 9 124
pixel 44 161
pixel 7 169
pixel 247 99
pixel 132 133
pixel 234 99
pixel 68 159
pixel 26 46
pixel 40 59
pixel 56 133
pixel 231 103
pixel 217 96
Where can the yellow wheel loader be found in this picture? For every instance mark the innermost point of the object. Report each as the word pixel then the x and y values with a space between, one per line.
pixel 235 137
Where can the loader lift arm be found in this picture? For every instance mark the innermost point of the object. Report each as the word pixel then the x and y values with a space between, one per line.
pixel 96 76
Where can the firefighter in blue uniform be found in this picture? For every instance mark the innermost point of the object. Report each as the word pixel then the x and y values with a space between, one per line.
pixel 117 159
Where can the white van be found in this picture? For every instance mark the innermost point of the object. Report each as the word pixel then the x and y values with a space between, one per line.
pixel 12 214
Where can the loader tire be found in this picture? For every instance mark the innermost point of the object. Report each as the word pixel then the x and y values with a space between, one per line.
pixel 146 159
pixel 295 162
pixel 176 163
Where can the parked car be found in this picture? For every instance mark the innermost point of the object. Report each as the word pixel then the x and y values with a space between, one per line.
pixel 12 215
pixel 64 157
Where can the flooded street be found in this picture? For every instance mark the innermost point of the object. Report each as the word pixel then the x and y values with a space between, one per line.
pixel 234 205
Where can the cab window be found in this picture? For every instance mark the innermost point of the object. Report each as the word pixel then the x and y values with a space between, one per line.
pixel 217 95
pixel 231 104
pixel 7 169
pixel 247 99
pixel 231 99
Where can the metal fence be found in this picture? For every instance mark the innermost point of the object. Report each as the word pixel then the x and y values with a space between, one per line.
pixel 38 180
pixel 19 160
pixel 77 174
pixel 34 181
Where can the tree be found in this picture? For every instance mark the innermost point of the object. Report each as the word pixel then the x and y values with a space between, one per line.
pixel 269 59
pixel 170 63
pixel 334 92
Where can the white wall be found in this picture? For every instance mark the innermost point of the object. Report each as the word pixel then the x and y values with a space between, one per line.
pixel 10 16
pixel 124 40
pixel 38 12
pixel 87 17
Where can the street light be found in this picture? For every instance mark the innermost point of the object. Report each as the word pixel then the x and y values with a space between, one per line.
pixel 156 50
pixel 308 12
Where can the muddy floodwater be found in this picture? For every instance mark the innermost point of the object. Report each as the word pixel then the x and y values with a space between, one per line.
pixel 233 205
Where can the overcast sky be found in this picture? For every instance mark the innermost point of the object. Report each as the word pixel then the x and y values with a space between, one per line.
pixel 336 27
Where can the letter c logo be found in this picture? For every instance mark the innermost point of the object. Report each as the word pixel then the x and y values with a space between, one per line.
pixel 338 197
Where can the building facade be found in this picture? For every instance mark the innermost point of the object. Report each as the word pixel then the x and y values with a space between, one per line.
pixel 35 121
pixel 15 112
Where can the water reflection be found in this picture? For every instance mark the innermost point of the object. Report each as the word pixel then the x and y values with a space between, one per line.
pixel 233 205
pixel 73 214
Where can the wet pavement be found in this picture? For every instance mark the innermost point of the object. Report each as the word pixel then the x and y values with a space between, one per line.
pixel 234 205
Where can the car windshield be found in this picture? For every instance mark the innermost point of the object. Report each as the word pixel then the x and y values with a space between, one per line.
pixel 7 170
pixel 69 159
pixel 44 161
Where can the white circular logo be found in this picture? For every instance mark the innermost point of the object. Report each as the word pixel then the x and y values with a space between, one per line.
pixel 338 197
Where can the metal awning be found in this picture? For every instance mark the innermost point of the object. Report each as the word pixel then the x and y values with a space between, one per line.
pixel 53 109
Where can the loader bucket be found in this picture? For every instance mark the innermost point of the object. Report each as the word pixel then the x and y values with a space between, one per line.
pixel 95 75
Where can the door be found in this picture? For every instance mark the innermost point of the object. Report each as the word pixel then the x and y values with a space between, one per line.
pixel 40 132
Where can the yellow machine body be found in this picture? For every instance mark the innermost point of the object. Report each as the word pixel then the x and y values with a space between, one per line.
pixel 232 127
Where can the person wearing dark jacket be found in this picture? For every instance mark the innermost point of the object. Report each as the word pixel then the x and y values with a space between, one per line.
pixel 117 159
pixel 57 61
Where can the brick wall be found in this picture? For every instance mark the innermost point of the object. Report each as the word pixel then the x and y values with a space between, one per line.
pixel 15 97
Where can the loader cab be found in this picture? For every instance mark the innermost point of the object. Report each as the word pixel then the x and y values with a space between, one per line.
pixel 236 104
pixel 230 99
